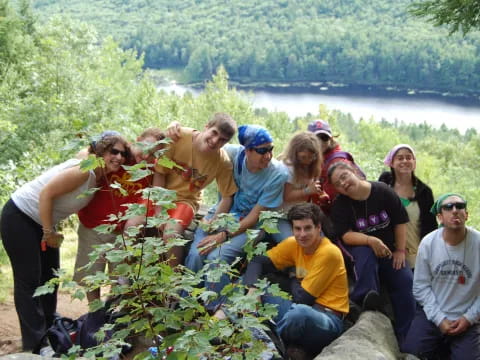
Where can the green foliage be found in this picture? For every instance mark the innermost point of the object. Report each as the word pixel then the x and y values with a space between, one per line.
pixel 461 16
pixel 64 83
pixel 374 43
pixel 151 296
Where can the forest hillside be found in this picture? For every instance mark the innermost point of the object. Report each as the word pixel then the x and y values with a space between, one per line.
pixel 61 83
pixel 363 43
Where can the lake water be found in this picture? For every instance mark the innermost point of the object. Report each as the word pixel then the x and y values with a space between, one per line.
pixel 454 113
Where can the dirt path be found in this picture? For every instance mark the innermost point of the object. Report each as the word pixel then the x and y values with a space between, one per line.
pixel 10 340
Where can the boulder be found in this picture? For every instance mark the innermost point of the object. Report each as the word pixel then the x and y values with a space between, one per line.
pixel 371 338
pixel 21 356
pixel 29 356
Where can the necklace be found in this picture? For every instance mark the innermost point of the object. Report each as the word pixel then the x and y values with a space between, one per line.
pixel 461 278
pixel 361 223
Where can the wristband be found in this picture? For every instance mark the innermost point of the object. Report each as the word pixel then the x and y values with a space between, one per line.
pixel 226 234
pixel 47 231
pixel 402 250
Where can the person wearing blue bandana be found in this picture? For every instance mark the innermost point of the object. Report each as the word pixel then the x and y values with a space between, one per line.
pixel 260 180
pixel 446 285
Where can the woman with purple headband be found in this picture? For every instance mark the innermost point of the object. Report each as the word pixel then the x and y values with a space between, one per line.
pixel 416 196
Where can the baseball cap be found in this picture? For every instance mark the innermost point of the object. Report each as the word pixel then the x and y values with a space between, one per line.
pixel 320 127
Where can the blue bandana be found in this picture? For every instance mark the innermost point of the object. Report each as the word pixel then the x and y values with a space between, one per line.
pixel 252 136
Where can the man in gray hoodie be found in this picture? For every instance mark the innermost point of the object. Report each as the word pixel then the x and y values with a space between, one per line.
pixel 446 285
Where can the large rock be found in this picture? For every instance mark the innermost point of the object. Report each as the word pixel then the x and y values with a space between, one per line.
pixel 21 356
pixel 371 338
pixel 29 356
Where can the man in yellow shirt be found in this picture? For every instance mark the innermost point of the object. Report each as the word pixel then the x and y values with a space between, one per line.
pixel 314 316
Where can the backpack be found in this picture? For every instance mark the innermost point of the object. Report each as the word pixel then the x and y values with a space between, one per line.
pixel 62 334
pixel 66 332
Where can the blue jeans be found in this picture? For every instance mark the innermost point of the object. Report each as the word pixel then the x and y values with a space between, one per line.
pixel 304 326
pixel 370 271
pixel 226 252
pixel 425 340
pixel 285 231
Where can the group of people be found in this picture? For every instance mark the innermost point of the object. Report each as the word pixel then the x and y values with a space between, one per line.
pixel 332 212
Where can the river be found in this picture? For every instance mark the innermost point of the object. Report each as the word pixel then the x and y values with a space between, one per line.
pixel 453 112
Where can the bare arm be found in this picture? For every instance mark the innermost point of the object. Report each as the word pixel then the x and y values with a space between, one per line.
pixel 355 238
pixel 209 242
pixel 60 184
pixel 290 194
pixel 400 244
pixel 174 131
pixel 250 220
pixel 223 206
pixel 158 179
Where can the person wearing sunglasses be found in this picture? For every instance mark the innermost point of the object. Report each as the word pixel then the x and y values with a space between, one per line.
pixel 28 230
pixel 415 195
pixel 260 180
pixel 109 200
pixel 446 285
pixel 332 153
pixel 370 219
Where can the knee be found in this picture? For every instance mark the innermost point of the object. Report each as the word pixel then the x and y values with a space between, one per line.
pixel 405 279
pixel 364 256
pixel 194 261
pixel 298 314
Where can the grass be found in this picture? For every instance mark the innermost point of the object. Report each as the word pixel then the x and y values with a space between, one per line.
pixel 68 253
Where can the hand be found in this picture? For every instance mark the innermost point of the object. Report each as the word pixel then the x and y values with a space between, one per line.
pixel 398 259
pixel 252 291
pixel 458 326
pixel 210 242
pixel 445 326
pixel 314 187
pixel 53 239
pixel 207 221
pixel 173 131
pixel 379 248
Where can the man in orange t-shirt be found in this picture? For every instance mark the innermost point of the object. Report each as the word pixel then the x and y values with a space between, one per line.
pixel 202 160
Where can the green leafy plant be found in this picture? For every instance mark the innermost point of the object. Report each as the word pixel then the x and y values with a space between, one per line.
pixel 160 302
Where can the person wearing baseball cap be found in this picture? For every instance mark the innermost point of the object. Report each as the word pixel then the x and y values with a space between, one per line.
pixel 319 127
pixel 332 153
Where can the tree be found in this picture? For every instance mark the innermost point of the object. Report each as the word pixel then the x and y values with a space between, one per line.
pixel 459 15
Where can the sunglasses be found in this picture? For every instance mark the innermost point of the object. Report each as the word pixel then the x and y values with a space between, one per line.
pixel 116 152
pixel 263 150
pixel 450 206
pixel 323 137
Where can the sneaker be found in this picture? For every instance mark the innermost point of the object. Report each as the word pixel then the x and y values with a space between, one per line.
pixel 354 313
pixel 46 351
pixel 297 353
pixel 372 301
